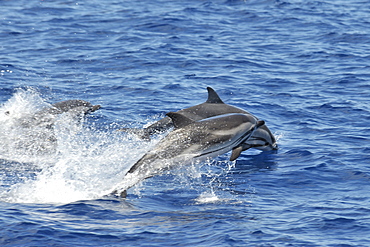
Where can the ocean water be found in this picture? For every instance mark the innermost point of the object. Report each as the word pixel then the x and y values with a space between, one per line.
pixel 302 66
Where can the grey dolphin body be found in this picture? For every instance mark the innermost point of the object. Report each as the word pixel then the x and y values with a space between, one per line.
pixel 193 140
pixel 76 105
pixel 77 108
pixel 36 134
pixel 262 138
pixel 46 117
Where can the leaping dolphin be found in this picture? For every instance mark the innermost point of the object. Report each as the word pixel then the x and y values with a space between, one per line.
pixel 47 116
pixel 261 139
pixel 76 105
pixel 190 140
pixel 35 133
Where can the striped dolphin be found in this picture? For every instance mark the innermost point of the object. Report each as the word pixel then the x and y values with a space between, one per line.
pixel 47 116
pixel 261 139
pixel 191 140
pixel 37 133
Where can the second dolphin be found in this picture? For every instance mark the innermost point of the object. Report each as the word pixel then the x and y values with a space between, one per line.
pixel 261 139
pixel 193 140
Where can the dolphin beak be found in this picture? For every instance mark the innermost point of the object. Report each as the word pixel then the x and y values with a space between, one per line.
pixel 95 108
pixel 259 123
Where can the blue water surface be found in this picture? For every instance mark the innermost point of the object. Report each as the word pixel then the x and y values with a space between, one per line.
pixel 302 66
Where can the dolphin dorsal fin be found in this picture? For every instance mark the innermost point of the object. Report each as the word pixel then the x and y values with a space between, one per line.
pixel 179 120
pixel 213 97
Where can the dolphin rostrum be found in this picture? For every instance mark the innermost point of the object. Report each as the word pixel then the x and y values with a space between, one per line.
pixel 261 139
pixel 190 140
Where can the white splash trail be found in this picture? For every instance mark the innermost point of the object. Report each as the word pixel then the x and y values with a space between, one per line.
pixel 82 162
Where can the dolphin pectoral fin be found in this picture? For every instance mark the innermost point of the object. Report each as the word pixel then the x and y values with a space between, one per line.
pixel 213 97
pixel 236 153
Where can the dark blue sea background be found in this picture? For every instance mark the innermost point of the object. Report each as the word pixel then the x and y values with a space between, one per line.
pixel 302 66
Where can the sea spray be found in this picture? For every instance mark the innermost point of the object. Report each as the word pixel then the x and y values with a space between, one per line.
pixel 19 143
pixel 83 162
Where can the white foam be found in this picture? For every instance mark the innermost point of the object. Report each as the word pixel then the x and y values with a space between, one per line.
pixel 82 162
pixel 207 197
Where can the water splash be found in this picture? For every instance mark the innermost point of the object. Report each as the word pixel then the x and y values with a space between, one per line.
pixel 81 161
pixel 210 179
pixel 207 197
pixel 19 142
